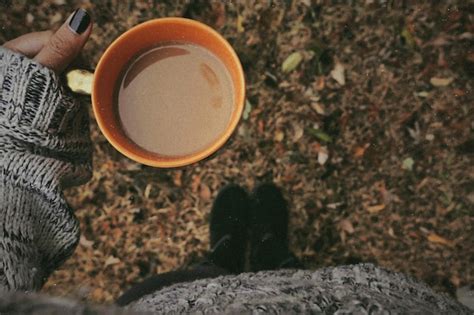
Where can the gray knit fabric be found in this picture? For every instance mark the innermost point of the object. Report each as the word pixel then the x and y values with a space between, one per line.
pixel 16 303
pixel 44 147
pixel 358 289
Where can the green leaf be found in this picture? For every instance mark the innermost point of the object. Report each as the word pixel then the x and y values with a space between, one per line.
pixel 247 110
pixel 408 164
pixel 409 39
pixel 321 135
pixel 291 62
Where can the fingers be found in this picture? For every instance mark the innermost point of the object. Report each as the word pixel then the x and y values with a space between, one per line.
pixel 29 44
pixel 67 42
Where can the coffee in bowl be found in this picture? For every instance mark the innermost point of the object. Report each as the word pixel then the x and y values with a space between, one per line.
pixel 168 92
pixel 175 99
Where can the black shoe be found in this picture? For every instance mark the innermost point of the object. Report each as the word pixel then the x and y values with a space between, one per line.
pixel 228 228
pixel 269 230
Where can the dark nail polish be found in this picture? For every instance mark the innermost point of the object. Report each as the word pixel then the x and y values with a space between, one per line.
pixel 80 21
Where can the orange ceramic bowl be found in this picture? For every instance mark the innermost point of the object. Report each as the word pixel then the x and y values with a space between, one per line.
pixel 135 41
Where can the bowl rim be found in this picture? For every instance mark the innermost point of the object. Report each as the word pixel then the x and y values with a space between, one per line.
pixel 170 161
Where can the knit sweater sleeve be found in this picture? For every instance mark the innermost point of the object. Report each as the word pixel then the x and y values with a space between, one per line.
pixel 44 148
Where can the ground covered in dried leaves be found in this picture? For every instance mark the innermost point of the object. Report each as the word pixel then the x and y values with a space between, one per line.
pixel 362 113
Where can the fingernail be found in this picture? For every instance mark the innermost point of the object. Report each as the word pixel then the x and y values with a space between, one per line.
pixel 80 21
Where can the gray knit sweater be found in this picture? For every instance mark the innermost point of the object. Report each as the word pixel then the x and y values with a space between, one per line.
pixel 45 147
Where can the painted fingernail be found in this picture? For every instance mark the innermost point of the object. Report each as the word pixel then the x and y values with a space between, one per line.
pixel 80 21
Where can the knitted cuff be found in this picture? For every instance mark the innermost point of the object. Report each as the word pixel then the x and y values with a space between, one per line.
pixel 44 132
pixel 30 96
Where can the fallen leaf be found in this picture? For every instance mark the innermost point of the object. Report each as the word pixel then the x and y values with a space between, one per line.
pixel 423 94
pixel 319 108
pixel 118 232
pixel 440 41
pixel 320 83
pixel 315 147
pixel 423 183
pixel 298 133
pixel 458 92
pixel 56 18
pixel 391 232
pixel 435 238
pixel 177 178
pixel 322 156
pixel 279 135
pixel 195 182
pixel 408 37
pixel 321 135
pixel 240 21
pixel 334 205
pixel 261 126
pixel 243 131
pixel 470 197
pixel 360 151
pixel 80 81
pixel 111 261
pixel 97 294
pixel 376 208
pixel 275 18
pixel 342 236
pixel 247 110
pixel 346 226
pixel 408 164
pixel 85 242
pixel 338 73
pixel 439 82
pixel 455 280
pixel 253 40
pixel 205 192
pixel 29 18
pixel 147 191
pixel 442 63
pixel 466 35
pixel 218 15
pixel 470 57
pixel 291 62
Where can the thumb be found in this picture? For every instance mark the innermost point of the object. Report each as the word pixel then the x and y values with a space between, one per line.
pixel 67 42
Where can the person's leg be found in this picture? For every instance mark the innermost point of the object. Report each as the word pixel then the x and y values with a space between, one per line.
pixel 228 234
pixel 269 231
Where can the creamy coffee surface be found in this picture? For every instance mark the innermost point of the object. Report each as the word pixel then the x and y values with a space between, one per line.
pixel 175 99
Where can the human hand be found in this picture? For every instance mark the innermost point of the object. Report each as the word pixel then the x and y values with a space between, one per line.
pixel 55 50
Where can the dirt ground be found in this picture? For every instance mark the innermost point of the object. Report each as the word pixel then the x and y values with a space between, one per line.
pixel 362 113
